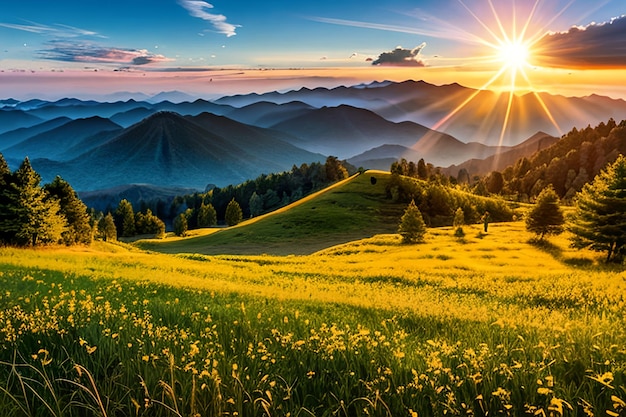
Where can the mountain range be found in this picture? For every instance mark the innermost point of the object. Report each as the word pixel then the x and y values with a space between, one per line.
pixel 97 145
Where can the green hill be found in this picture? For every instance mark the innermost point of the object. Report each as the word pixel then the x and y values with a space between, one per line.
pixel 350 210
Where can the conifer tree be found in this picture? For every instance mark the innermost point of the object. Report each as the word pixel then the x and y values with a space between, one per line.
pixel 546 217
pixel 599 222
pixel 180 225
pixel 422 169
pixel 125 219
pixel 458 222
pixel 106 228
pixel 412 227
pixel 149 224
pixel 5 172
pixel 5 201
pixel 256 205
pixel 29 216
pixel 233 214
pixel 207 216
pixel 74 210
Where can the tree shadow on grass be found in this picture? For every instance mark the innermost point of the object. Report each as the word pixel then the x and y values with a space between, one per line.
pixel 557 253
pixel 548 247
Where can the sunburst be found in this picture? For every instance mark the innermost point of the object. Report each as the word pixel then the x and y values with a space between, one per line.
pixel 511 54
pixel 514 54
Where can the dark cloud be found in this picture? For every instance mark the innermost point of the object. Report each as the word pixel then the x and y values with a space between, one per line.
pixel 93 53
pixel 402 57
pixel 593 46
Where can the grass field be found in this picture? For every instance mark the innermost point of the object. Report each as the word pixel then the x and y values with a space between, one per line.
pixel 487 325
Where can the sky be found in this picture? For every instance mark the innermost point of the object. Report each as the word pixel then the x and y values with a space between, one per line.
pixel 93 49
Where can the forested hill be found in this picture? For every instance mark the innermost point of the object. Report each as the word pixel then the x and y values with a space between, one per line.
pixel 568 164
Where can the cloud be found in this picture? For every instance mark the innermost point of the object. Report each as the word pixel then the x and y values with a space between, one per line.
pixel 592 46
pixel 402 57
pixel 92 53
pixel 58 30
pixel 197 8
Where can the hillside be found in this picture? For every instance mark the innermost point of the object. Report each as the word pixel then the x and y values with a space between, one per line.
pixel 569 163
pixel 266 114
pixel 13 137
pixel 353 209
pixel 270 146
pixel 349 210
pixel 15 119
pixel 501 160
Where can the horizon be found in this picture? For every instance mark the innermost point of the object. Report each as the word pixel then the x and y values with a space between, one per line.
pixel 250 83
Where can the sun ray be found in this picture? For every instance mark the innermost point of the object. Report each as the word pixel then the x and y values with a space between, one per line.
pixel 468 100
pixel 483 24
pixel 499 22
pixel 543 105
pixel 529 20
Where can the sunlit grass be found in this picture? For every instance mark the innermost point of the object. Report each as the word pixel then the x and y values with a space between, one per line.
pixel 487 323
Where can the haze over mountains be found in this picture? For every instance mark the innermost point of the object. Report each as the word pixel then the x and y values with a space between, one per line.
pixel 96 145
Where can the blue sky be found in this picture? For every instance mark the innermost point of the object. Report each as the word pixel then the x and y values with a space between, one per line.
pixel 252 33
pixel 166 35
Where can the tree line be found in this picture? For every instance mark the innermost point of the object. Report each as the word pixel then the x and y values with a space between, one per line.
pixel 32 214
pixel 567 165
pixel 266 193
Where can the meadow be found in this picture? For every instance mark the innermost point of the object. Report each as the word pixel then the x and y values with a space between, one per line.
pixel 485 325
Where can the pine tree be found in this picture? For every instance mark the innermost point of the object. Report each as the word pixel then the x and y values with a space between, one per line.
pixel 207 216
pixel 106 228
pixel 125 219
pixel 5 200
pixel 412 227
pixel 256 205
pixel 334 169
pixel 180 225
pixel 149 224
pixel 5 172
pixel 29 216
pixel 233 214
pixel 546 217
pixel 74 210
pixel 422 169
pixel 458 222
pixel 459 218
pixel 599 222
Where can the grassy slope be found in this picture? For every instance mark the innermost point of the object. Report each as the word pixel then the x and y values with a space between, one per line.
pixel 347 211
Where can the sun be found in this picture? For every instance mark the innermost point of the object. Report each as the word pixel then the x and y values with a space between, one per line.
pixel 513 54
